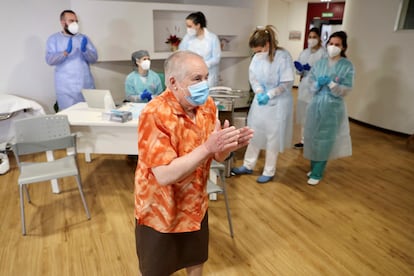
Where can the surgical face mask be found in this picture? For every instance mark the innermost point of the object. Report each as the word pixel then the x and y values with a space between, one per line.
pixel 73 28
pixel 333 51
pixel 312 42
pixel 191 31
pixel 145 64
pixel 198 93
pixel 262 54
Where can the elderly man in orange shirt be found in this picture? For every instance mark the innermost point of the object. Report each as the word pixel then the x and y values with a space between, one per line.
pixel 178 137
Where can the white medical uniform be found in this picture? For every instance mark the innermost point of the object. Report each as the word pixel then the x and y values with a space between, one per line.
pixel 273 122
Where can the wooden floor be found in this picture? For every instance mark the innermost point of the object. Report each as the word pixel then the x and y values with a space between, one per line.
pixel 358 221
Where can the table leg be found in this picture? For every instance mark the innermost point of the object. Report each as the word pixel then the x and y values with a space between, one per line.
pixel 213 177
pixel 54 183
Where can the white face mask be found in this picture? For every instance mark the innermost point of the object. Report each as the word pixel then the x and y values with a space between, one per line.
pixel 73 28
pixel 312 42
pixel 333 51
pixel 262 54
pixel 145 64
pixel 191 31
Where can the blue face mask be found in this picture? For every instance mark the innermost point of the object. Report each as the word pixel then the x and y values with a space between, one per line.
pixel 198 93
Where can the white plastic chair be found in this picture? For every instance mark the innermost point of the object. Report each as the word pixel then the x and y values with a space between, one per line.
pixel 215 188
pixel 42 134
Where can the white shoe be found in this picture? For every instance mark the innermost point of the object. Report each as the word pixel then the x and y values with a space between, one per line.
pixel 312 181
pixel 309 174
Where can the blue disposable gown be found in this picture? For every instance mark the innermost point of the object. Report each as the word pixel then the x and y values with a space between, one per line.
pixel 273 122
pixel 72 72
pixel 135 84
pixel 326 134
pixel 207 47
pixel 304 93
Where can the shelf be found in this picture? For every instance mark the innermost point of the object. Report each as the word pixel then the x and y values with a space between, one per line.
pixel 232 54
pixel 164 55
pixel 166 22
pixel 224 54
pixel 224 3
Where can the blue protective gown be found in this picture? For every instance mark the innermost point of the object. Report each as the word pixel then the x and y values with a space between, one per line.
pixel 304 93
pixel 273 122
pixel 135 84
pixel 207 47
pixel 72 72
pixel 326 134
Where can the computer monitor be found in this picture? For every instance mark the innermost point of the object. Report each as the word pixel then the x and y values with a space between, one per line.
pixel 98 98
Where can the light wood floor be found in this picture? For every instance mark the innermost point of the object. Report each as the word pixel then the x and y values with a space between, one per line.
pixel 358 221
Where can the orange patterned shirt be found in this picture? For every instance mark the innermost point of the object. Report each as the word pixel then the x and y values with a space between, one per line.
pixel 165 132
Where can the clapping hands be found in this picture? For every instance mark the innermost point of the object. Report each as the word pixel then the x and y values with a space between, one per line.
pixel 69 46
pixel 84 42
pixel 298 66
pixel 323 80
pixel 307 67
pixel 227 138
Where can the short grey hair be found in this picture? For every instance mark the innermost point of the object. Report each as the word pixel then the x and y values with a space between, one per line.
pixel 175 65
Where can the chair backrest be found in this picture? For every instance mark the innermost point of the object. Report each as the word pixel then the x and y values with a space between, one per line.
pixel 42 133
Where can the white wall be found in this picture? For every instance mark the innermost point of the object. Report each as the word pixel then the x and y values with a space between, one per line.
pixel 384 84
pixel 278 16
pixel 25 26
pixel 288 17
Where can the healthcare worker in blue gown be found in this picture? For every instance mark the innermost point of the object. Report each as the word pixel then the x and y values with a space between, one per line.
pixel 71 53
pixel 142 84
pixel 271 77
pixel 326 134
pixel 203 42
pixel 306 60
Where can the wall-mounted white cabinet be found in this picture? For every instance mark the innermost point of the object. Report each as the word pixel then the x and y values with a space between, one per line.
pixel 172 22
pixel 118 28
pixel 229 3
pixel 166 23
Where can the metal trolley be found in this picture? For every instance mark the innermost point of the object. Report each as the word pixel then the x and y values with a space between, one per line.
pixel 228 100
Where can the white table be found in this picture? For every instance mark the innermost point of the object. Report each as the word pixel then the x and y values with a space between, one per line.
pixel 96 135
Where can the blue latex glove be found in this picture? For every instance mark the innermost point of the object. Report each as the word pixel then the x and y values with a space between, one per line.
pixel 306 67
pixel 69 47
pixel 298 66
pixel 83 43
pixel 146 96
pixel 262 98
pixel 323 80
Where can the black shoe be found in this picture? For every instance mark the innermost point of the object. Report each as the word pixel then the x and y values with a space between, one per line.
pixel 298 146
